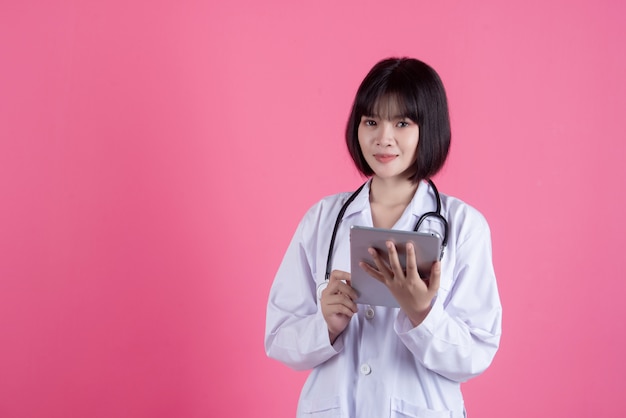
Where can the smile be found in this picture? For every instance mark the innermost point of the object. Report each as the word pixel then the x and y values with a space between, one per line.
pixel 385 158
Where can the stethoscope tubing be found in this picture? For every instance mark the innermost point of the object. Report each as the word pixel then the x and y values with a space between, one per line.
pixel 437 214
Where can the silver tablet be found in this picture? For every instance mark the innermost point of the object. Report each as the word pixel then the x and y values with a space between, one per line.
pixel 371 291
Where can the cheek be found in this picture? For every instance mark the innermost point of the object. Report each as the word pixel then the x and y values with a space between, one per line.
pixel 359 132
pixel 412 149
pixel 415 142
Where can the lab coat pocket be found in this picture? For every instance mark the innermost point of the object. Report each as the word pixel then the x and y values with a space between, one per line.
pixel 321 408
pixel 403 409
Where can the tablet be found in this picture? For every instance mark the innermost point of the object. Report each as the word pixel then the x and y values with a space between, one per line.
pixel 371 291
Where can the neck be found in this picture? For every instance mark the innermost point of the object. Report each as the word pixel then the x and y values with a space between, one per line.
pixel 391 192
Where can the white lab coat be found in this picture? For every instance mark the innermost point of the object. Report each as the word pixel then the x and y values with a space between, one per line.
pixel 381 366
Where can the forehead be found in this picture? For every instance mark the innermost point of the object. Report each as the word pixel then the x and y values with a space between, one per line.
pixel 389 106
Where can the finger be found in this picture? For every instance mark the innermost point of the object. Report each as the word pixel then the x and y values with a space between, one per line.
pixel 383 269
pixel 411 260
pixel 394 260
pixel 435 276
pixel 344 310
pixel 372 272
pixel 347 290
pixel 338 279
pixel 337 290
pixel 339 302
pixel 339 275
pixel 340 282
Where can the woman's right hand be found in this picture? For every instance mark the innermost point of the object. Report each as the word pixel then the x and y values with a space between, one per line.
pixel 338 303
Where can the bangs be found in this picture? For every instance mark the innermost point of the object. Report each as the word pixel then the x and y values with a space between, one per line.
pixel 390 107
pixel 389 103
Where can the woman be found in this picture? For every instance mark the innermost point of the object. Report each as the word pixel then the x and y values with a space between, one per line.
pixel 373 361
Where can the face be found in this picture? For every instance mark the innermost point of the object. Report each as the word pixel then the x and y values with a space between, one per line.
pixel 388 142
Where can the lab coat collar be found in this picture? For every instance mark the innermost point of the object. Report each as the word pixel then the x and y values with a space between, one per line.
pixel 360 203
pixel 423 201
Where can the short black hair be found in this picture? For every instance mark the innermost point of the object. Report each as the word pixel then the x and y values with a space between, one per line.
pixel 418 91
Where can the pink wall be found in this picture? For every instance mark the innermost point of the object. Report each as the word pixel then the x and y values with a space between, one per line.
pixel 156 156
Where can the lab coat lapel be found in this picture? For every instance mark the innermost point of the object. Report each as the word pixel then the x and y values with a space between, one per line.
pixel 359 211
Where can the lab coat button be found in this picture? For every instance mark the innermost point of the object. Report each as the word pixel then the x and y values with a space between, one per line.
pixel 366 369
pixel 369 312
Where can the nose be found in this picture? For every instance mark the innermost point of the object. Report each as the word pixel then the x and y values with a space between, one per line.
pixel 385 134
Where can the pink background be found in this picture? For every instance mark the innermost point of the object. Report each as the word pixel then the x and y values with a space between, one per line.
pixel 156 157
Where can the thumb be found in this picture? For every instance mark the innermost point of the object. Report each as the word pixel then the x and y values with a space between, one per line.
pixel 435 276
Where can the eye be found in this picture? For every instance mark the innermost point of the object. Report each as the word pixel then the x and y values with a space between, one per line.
pixel 369 122
pixel 403 124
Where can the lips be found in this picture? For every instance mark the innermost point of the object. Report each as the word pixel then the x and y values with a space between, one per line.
pixel 385 158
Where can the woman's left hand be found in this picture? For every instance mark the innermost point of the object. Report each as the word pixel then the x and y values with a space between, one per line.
pixel 414 295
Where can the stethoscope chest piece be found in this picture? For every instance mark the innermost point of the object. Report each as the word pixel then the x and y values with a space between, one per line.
pixel 320 289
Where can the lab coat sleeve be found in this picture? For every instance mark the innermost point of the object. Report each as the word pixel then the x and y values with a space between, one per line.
pixel 461 334
pixel 296 333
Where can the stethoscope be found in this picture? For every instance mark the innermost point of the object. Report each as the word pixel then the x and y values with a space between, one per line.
pixel 437 214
